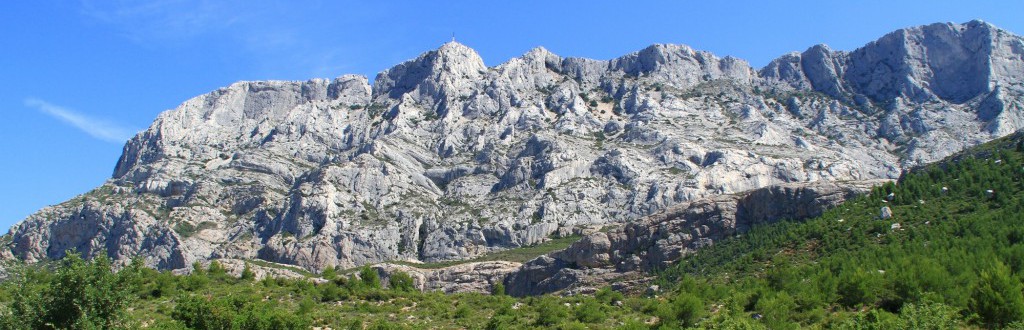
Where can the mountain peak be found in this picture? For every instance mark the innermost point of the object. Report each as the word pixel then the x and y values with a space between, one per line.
pixel 452 61
pixel 947 61
pixel 976 24
pixel 681 65
pixel 954 62
pixel 538 51
pixel 453 51
pixel 542 55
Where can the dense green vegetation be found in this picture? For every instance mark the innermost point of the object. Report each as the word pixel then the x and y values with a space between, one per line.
pixel 77 295
pixel 952 250
pixel 211 299
pixel 948 258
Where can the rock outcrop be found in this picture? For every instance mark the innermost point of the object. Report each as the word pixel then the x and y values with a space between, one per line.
pixel 660 239
pixel 235 268
pixel 468 277
pixel 443 158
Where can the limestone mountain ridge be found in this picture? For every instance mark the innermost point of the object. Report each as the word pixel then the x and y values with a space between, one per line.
pixel 444 158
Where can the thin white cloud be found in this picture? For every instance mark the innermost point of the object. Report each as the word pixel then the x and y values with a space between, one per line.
pixel 275 35
pixel 96 128
pixel 166 20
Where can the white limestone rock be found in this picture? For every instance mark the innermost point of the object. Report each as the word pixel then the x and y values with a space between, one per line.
pixel 444 158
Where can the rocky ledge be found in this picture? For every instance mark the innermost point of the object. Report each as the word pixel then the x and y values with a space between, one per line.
pixel 661 239
pixel 625 254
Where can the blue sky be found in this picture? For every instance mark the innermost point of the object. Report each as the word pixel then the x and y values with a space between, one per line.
pixel 77 78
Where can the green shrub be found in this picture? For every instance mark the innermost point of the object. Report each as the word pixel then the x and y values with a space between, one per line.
pixel 331 292
pixel 243 313
pixel 688 308
pixel 731 321
pixel 329 273
pixel 462 312
pixel 930 316
pixel 216 270
pixel 505 317
pixel 247 274
pixel 160 284
pixel 502 322
pixel 369 278
pixel 498 290
pixel 858 287
pixel 306 305
pixel 664 312
pixel 78 295
pixel 197 268
pixel 550 311
pixel 777 309
pixel 200 313
pixel 590 311
pixel 573 325
pixel 263 316
pixel 608 296
pixel 871 320
pixel 997 298
pixel 385 325
pixel 194 282
pixel 400 281
pixel 632 325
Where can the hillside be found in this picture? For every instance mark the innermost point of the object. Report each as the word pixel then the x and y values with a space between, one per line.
pixel 948 255
pixel 952 246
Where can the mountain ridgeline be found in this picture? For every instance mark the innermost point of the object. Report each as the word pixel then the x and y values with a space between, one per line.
pixel 444 158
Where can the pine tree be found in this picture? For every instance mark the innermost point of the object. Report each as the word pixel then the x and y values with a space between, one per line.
pixel 247 274
pixel 997 298
pixel 369 277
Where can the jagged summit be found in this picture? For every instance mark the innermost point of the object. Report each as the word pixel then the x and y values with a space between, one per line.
pixel 541 54
pixel 444 158
pixel 682 66
pixel 455 47
pixel 943 61
pixel 432 71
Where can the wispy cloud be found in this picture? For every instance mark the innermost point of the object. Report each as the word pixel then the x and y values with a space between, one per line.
pixel 255 25
pixel 166 20
pixel 97 128
pixel 278 37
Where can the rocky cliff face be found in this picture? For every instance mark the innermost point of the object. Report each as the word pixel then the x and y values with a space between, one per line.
pixel 656 241
pixel 444 158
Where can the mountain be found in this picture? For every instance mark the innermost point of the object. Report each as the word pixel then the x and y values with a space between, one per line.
pixel 444 158
pixel 947 256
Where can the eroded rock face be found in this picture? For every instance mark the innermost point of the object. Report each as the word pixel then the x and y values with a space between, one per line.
pixel 660 239
pixel 444 158
pixel 469 277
